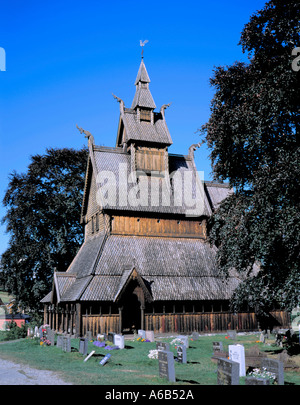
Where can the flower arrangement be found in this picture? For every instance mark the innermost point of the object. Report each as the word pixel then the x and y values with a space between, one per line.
pixel 177 342
pixel 153 354
pixel 140 339
pixel 263 373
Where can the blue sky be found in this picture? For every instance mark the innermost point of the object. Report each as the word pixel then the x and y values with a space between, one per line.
pixel 64 59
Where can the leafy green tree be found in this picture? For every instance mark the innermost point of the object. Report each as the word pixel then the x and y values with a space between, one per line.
pixel 253 136
pixel 43 212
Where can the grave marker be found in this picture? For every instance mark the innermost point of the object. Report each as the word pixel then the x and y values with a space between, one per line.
pixel 110 337
pixel 166 365
pixel 184 339
pixel 149 335
pixel 163 346
pixel 142 333
pixel 51 336
pixel 66 344
pixel 83 346
pixel 181 354
pixel 119 341
pixel 195 335
pixel 59 341
pixel 105 359
pixel 276 367
pixel 257 381
pixel 217 347
pixel 89 356
pixel 228 372
pixel 231 334
pixel 237 354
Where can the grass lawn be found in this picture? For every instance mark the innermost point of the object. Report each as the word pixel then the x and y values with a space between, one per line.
pixel 131 366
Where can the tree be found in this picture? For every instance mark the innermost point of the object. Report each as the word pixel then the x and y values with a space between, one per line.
pixel 253 136
pixel 43 212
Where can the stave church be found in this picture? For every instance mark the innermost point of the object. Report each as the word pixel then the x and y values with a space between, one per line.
pixel 145 262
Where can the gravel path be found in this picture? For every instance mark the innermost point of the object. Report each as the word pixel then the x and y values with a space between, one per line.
pixel 20 374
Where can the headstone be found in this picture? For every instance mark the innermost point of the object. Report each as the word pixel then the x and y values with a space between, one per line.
pixel 286 360
pixel 237 354
pixel 195 335
pixel 231 334
pixel 228 372
pixel 119 341
pixel 276 367
pixel 163 346
pixel 181 354
pixel 166 365
pixel 105 359
pixel 262 337
pixel 142 333
pixel 184 339
pixel 36 331
pixel 51 336
pixel 83 346
pixel 149 335
pixel 253 356
pixel 89 335
pixel 66 344
pixel 89 356
pixel 256 381
pixel 110 337
pixel 217 347
pixel 41 333
pixel 59 341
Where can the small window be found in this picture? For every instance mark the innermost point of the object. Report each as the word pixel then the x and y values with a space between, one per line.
pixel 97 222
pixel 145 115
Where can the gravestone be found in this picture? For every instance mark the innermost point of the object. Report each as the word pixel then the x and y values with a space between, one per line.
pixel 119 341
pixel 181 354
pixel 59 341
pixel 110 337
pixel 228 372
pixel 184 339
pixel 89 356
pixel 253 356
pixel 163 346
pixel 83 346
pixel 286 360
pixel 142 333
pixel 105 359
pixel 166 365
pixel 257 381
pixel 231 334
pixel 51 336
pixel 195 335
pixel 217 347
pixel 276 367
pixel 66 344
pixel 149 335
pixel 89 335
pixel 262 337
pixel 237 354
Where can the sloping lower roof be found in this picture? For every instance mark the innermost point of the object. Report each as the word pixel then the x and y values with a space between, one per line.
pixel 172 269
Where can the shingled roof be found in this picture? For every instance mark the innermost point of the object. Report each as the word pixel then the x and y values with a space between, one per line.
pixel 172 269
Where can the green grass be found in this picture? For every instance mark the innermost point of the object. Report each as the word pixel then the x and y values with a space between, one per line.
pixel 130 366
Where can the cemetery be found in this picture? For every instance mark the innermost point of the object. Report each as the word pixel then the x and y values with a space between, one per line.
pixel 146 358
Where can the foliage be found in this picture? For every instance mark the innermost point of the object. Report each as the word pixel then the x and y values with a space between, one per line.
pixel 43 210
pixel 14 331
pixel 253 136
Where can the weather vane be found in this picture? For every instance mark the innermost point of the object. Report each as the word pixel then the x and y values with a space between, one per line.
pixel 142 44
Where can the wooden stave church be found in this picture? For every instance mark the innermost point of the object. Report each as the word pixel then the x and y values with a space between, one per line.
pixel 144 265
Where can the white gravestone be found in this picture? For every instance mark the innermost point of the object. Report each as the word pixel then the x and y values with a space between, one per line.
pixel 119 341
pixel 142 333
pixel 149 335
pixel 184 339
pixel 237 354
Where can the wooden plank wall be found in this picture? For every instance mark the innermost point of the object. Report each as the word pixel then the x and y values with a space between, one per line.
pixel 100 324
pixel 125 225
pixel 166 323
